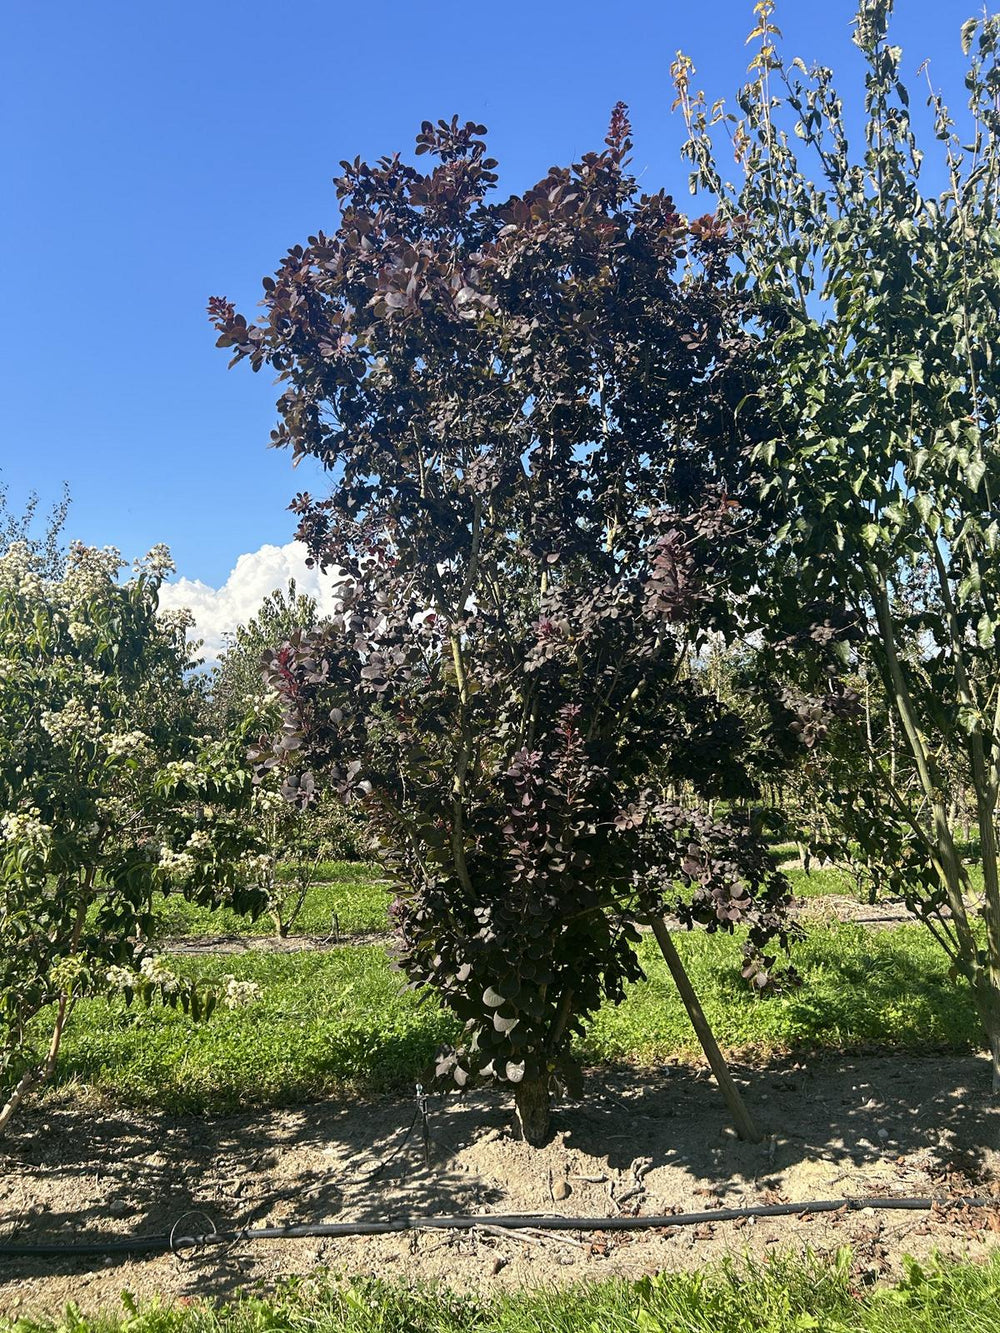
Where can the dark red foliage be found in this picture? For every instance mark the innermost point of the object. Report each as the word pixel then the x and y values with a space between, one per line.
pixel 534 413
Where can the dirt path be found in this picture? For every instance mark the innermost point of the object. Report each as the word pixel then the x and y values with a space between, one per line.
pixel 647 1143
pixel 229 944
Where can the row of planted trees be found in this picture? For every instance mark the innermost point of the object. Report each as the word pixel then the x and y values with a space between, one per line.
pixel 574 439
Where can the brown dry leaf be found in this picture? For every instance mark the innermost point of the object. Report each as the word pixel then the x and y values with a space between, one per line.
pixel 704 1232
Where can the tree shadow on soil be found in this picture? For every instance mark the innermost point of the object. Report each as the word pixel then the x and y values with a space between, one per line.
pixel 79 1171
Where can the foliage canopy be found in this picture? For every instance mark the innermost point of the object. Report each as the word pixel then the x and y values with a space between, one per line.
pixel 529 408
pixel 883 303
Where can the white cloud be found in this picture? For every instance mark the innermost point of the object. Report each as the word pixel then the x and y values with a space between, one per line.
pixel 255 575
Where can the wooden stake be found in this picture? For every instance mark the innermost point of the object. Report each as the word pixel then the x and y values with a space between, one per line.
pixel 742 1119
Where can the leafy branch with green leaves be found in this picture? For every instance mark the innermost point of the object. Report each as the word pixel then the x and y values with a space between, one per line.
pixel 879 306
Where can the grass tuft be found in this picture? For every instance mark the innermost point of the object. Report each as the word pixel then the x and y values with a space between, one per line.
pixel 784 1295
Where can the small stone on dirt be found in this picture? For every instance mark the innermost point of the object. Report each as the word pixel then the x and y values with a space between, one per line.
pixel 561 1189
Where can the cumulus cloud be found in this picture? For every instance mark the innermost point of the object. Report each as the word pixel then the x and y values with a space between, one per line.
pixel 218 611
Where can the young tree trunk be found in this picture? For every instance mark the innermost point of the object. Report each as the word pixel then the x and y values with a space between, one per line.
pixel 533 1103
pixel 986 997
pixel 742 1118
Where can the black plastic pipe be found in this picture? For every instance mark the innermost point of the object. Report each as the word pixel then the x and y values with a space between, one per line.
pixel 160 1244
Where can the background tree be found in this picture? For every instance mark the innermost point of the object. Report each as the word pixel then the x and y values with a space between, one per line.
pixel 237 684
pixel 108 793
pixel 48 550
pixel 298 840
pixel 883 306
pixel 241 704
pixel 530 410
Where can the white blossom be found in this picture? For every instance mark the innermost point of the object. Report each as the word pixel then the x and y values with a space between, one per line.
pixel 72 721
pixel 157 561
pixel 238 993
pixel 26 826
pixel 128 744
pixel 154 969
pixel 122 978
pixel 179 864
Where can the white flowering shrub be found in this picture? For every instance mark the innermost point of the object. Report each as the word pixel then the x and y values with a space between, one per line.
pixel 109 792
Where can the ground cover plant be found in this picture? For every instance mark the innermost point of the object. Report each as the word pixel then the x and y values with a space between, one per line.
pixel 882 300
pixel 109 793
pixel 336 1022
pixel 784 1295
pixel 530 409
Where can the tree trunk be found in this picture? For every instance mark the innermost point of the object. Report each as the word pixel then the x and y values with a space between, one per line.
pixel 533 1104
pixel 986 997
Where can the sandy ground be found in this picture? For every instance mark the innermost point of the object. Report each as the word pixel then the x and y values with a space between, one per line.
pixel 646 1143
pixel 834 907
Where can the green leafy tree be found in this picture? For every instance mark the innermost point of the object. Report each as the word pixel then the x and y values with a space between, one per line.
pixel 237 685
pixel 241 704
pixel 297 842
pixel 881 302
pixel 47 549
pixel 109 793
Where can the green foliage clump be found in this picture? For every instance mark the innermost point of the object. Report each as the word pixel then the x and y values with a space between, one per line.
pixel 881 304
pixel 109 794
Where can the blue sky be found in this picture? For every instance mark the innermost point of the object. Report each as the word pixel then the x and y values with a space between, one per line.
pixel 156 155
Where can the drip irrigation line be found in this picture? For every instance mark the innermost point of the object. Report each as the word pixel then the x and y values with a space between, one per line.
pixel 160 1244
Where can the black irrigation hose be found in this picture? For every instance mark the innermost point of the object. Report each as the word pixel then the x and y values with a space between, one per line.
pixel 512 1222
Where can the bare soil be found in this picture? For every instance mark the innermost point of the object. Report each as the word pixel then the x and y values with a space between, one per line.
pixel 231 944
pixel 641 1142
pixel 833 907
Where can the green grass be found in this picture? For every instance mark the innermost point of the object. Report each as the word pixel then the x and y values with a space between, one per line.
pixel 823 880
pixel 860 988
pixel 820 881
pixel 784 1295
pixel 338 1021
pixel 783 851
pixel 325 1022
pixel 350 889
